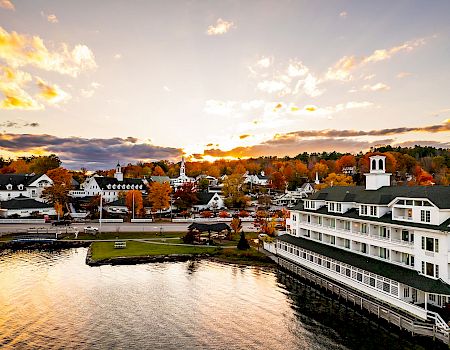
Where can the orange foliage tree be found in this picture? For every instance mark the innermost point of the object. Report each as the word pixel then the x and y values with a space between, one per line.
pixel 334 179
pixel 159 196
pixel 136 197
pixel 62 184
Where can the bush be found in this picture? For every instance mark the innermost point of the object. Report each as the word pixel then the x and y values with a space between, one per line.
pixel 189 237
pixel 223 214
pixel 206 214
pixel 243 214
pixel 243 243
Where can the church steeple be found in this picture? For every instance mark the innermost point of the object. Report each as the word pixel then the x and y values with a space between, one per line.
pixel 118 174
pixel 182 168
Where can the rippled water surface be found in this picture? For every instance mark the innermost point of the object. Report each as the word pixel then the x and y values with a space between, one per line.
pixel 54 301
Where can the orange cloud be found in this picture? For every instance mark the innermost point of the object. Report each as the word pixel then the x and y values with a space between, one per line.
pixel 51 93
pixel 244 136
pixel 7 4
pixel 19 50
pixel 12 85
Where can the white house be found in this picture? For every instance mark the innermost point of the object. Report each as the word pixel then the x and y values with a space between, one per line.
pixel 208 201
pixel 183 178
pixel 27 185
pixel 389 243
pixel 110 187
pixel 258 179
pixel 25 207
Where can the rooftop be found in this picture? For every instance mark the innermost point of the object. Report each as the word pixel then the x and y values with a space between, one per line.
pixel 403 275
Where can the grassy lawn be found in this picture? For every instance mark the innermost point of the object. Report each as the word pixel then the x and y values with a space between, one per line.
pixel 103 250
pixel 250 257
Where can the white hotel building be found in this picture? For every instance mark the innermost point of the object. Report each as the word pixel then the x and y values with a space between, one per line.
pixel 389 244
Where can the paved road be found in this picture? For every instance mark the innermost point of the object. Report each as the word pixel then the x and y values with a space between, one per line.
pixel 115 227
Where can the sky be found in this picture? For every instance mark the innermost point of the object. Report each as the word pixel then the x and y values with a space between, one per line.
pixel 101 81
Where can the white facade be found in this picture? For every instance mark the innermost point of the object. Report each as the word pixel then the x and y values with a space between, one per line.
pixel 183 178
pixel 410 232
pixel 30 186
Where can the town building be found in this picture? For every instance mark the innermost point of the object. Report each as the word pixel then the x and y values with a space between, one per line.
pixel 26 185
pixel 208 201
pixel 23 207
pixel 260 179
pixel 182 178
pixel 110 187
pixel 390 244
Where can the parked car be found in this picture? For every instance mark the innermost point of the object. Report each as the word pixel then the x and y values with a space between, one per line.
pixel 262 235
pixel 61 223
pixel 91 229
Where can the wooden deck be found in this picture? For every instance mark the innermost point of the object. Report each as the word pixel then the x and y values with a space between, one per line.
pixel 382 311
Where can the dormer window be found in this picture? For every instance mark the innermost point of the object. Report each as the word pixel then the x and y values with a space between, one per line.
pixel 9 187
pixel 20 187
pixel 108 186
pixel 128 187
pixel 132 187
pixel 114 187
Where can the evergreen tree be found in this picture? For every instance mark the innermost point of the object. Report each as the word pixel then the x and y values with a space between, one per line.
pixel 243 243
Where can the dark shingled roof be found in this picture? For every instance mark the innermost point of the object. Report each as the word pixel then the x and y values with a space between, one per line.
pixel 16 180
pixel 439 195
pixel 403 275
pixel 204 197
pixel 105 181
pixel 22 202
pixel 385 219
pixel 216 227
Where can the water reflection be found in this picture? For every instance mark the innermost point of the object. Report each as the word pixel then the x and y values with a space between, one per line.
pixel 54 300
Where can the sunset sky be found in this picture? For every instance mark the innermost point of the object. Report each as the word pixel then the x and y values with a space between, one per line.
pixel 101 81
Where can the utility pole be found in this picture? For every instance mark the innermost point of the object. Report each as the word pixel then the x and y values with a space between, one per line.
pixel 101 211
pixel 133 204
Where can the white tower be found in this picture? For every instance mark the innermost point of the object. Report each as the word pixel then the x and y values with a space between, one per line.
pixel 118 174
pixel 316 181
pixel 377 177
pixel 182 168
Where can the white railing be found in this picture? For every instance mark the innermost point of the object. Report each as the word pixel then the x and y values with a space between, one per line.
pixel 141 220
pixel 22 221
pixel 438 321
pixel 110 220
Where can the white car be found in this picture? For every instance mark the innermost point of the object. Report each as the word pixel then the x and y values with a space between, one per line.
pixel 262 235
pixel 91 229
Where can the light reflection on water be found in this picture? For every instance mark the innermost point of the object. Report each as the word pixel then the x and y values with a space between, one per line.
pixel 54 301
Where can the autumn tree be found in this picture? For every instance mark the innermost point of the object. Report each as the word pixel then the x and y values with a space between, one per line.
pixel 159 196
pixel 185 196
pixel 347 161
pixel 278 181
pixel 321 169
pixel 58 209
pixel 62 184
pixel 158 171
pixel 134 202
pixel 236 226
pixel 42 164
pixel 334 179
pixel 20 166
pixel 264 201
pixel 233 192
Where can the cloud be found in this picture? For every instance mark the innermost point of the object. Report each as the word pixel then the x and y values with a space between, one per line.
pixel 368 77
pixel 117 56
pixel 19 50
pixel 297 69
pixel 12 84
pixel 76 152
pixel 376 87
pixel 52 94
pixel 87 93
pixel 242 137
pixel 221 27
pixel 264 62
pixel 271 86
pixel 328 140
pixel 52 18
pixel 343 14
pixel 7 4
pixel 17 125
pixel 342 69
pixel 310 86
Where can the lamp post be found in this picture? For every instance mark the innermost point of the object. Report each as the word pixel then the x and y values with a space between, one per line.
pixel 101 211
pixel 133 204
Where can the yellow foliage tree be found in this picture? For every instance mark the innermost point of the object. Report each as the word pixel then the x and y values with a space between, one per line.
pixel 334 179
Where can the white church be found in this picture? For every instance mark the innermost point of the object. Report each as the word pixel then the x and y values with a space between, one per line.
pixel 183 178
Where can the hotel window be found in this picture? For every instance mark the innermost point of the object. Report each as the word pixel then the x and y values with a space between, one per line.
pixel 320 236
pixel 364 248
pixel 339 207
pixel 294 217
pixel 333 240
pixel 363 210
pixel 333 223
pixel 372 281
pixel 328 264
pixel 331 207
pixel 306 204
pixel 425 216
pixel 383 253
pixel 347 225
pixel 308 218
pixel 428 269
pixel 363 228
pixel 373 210
pixel 347 243
pixel 384 232
pixel 437 271
pixel 319 220
pixel 430 244
pixel 338 268
pixel 359 276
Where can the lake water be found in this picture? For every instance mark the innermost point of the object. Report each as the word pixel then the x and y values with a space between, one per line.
pixel 54 301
